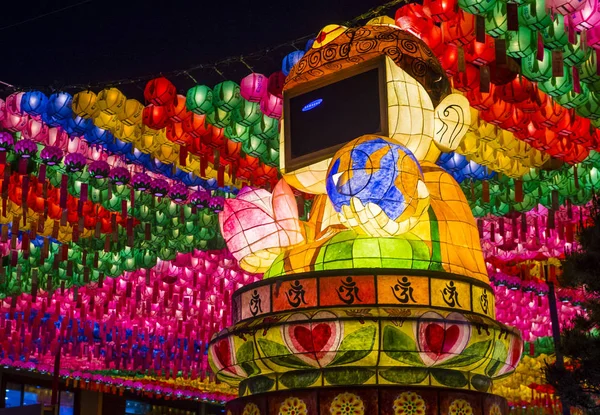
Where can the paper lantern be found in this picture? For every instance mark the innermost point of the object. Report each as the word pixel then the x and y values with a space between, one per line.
pixel 536 70
pixel 237 132
pixel 219 118
pixel 534 15
pixel 516 91
pixel 449 59
pixel 195 125
pixel 178 193
pixel 411 18
pixel 462 31
pixel 159 187
pixel 25 148
pixel 160 91
pixel 253 87
pixel 575 54
pixel 132 113
pixel 588 73
pixel 111 101
pixel 439 10
pixel 34 102
pixel 468 80
pixel 566 7
pixel 84 104
pixel 557 85
pixel 74 162
pixel 155 117
pixel 176 133
pixel 226 96
pixel 496 20
pixel 177 111
pixel 433 38
pixel 591 109
pixel 99 169
pixel 119 176
pixel 586 17
pixel 13 122
pixel 555 36
pixel 521 43
pixel 141 182
pixel 199 99
pixel 272 106
pixel 480 7
pixel 275 84
pixel 481 53
pixel 59 106
pixel 51 156
pixel 247 114
pixel 35 130
pixel 290 60
pixel 573 99
pixel 498 113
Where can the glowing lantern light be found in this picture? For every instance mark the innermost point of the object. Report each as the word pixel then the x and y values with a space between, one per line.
pixel 51 156
pixel 155 117
pixel 119 176
pixel 195 125
pixel 84 104
pixel 272 106
pixel 587 16
pixel 575 54
pixel 521 43
pixel 440 10
pixel 275 84
pixel 177 111
pixel 498 113
pixel 59 106
pixel 433 39
pixel 34 102
pixel 14 122
pixel 555 36
pixel 468 80
pixel 25 148
pixel 290 60
pixel 411 18
pixel 536 70
pixel 176 133
pixel 481 53
pixel 99 169
pixel 159 187
pixel 590 109
pixel 573 99
pixel 462 31
pixel 132 112
pixel 253 87
pixel 480 7
pixel 160 91
pixel 7 141
pixel 482 100
pixel 74 162
pixel 111 101
pixel 226 96
pixel 219 118
pixel 589 69
pixel 567 6
pixel 78 125
pixel 534 15
pixel 199 99
pixel 449 59
pixel 549 115
pixel 237 132
pixel 141 182
pixel 35 130
pixel 247 114
pixel 496 21
pixel 557 85
pixel 13 104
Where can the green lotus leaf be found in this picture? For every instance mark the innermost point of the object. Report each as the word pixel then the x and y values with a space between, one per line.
pixel 299 379
pixel 470 355
pixel 348 376
pixel 355 346
pixel 450 378
pixel 405 375
pixel 400 347
pixel 280 355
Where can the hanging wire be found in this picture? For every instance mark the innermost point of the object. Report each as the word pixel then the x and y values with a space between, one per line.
pixel 31 19
pixel 260 54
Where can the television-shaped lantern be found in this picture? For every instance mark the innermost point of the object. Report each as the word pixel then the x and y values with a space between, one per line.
pixel 324 114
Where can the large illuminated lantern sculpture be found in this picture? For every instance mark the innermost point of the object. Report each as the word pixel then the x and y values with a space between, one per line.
pixel 380 303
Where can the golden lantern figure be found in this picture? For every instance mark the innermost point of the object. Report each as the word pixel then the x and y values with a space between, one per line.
pixel 380 302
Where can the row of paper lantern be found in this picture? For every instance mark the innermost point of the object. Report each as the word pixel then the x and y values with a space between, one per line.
pixel 165 151
pixel 143 318
pixel 510 106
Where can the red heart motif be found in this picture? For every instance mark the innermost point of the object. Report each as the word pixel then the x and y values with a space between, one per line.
pixel 223 353
pixel 439 340
pixel 312 340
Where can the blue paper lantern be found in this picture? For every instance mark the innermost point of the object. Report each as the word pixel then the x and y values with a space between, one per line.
pixel 97 135
pixel 78 125
pixel 34 102
pixel 59 106
pixel 290 60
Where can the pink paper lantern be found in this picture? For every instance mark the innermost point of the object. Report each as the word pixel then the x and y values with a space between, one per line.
pixel 254 87
pixel 272 106
pixel 587 16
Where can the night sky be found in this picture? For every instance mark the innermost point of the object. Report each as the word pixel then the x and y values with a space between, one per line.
pixel 103 40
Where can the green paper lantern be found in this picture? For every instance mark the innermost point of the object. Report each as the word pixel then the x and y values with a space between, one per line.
pixel 535 70
pixel 576 54
pixel 496 23
pixel 226 96
pixel 247 114
pixel 588 72
pixel 199 99
pixel 266 129
pixel 573 99
pixel 480 7
pixel 237 133
pixel 255 146
pixel 558 85
pixel 271 157
pixel 555 36
pixel 591 109
pixel 534 15
pixel 219 118
pixel 521 43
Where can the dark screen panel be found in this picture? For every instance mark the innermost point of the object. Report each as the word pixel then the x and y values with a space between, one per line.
pixel 335 114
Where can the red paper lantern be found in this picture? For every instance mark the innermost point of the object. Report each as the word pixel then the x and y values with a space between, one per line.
pixel 518 121
pixel 498 113
pixel 468 80
pixel 214 138
pixel 580 132
pixel 412 18
pixel 461 31
pixel 195 125
pixel 549 115
pixel 440 10
pixel 433 39
pixel 155 117
pixel 276 83
pixel 546 140
pixel 532 104
pixel 482 100
pixel 160 91
pixel 481 53
pixel 177 134
pixel 518 90
pixel 177 111
pixel 231 151
pixel 449 59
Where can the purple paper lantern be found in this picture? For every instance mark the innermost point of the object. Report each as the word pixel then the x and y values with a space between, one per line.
pixel 160 187
pixel 217 203
pixel 120 176
pixel 51 155
pixel 7 141
pixel 26 148
pixel 99 169
pixel 178 193
pixel 200 199
pixel 141 182
pixel 74 162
